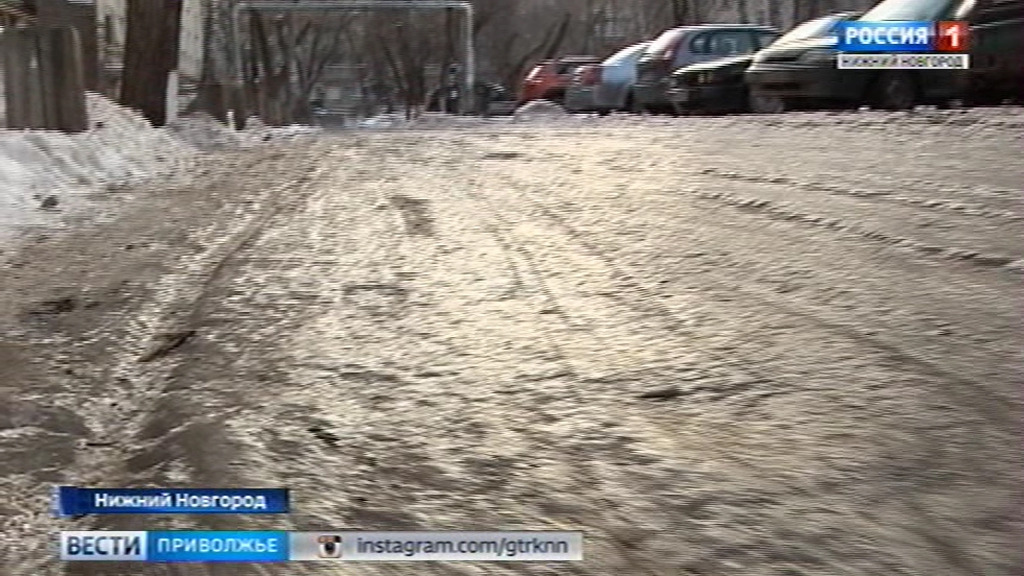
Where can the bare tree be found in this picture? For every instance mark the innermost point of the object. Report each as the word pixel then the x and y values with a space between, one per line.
pixel 523 45
pixel 806 9
pixel 151 54
pixel 405 55
pixel 743 8
pixel 686 12
pixel 288 57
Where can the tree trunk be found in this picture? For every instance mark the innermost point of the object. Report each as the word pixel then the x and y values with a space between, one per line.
pixel 448 58
pixel 395 71
pixel 210 97
pixel 151 54
pixel 262 67
pixel 591 28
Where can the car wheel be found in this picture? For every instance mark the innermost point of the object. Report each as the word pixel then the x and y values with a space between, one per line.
pixel 557 97
pixel 894 91
pixel 761 104
pixel 603 112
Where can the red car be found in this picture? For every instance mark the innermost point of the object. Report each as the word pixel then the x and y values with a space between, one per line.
pixel 549 78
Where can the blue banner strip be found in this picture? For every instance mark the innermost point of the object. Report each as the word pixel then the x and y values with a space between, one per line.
pixel 176 546
pixel 859 36
pixel 71 501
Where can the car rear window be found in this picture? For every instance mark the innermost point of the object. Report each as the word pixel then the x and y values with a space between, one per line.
pixel 626 54
pixel 667 41
pixel 723 43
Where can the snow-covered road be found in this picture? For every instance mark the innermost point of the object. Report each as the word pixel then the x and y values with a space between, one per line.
pixel 720 346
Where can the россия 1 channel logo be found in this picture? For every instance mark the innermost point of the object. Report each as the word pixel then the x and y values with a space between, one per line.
pixel 859 36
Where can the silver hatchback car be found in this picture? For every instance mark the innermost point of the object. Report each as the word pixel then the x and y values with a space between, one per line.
pixel 686 45
pixel 607 86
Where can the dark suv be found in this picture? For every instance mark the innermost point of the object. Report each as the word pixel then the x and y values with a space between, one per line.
pixel 806 73
pixel 678 47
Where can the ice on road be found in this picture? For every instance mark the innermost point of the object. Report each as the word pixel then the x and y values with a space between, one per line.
pixel 719 346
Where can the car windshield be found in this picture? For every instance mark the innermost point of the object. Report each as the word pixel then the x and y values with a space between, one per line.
pixel 817 28
pixel 625 55
pixel 907 10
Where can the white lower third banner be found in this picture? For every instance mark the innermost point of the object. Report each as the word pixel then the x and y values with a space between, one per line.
pixel 847 61
pixel 280 546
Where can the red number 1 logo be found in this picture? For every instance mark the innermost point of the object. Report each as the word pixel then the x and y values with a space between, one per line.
pixel 951 37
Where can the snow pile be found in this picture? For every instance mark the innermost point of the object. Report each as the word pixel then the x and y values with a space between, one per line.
pixel 259 134
pixel 542 110
pixel 440 120
pixel 43 171
pixel 46 169
pixel 435 119
pixel 383 121
pixel 204 132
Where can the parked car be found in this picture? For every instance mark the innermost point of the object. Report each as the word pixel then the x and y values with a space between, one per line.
pixel 805 72
pixel 607 86
pixel 997 53
pixel 549 79
pixel 719 86
pixel 678 47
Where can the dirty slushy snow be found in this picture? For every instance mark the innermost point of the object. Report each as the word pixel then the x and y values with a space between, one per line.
pixel 738 346
pixel 43 173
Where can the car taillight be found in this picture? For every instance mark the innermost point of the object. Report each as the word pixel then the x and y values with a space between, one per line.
pixel 590 75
